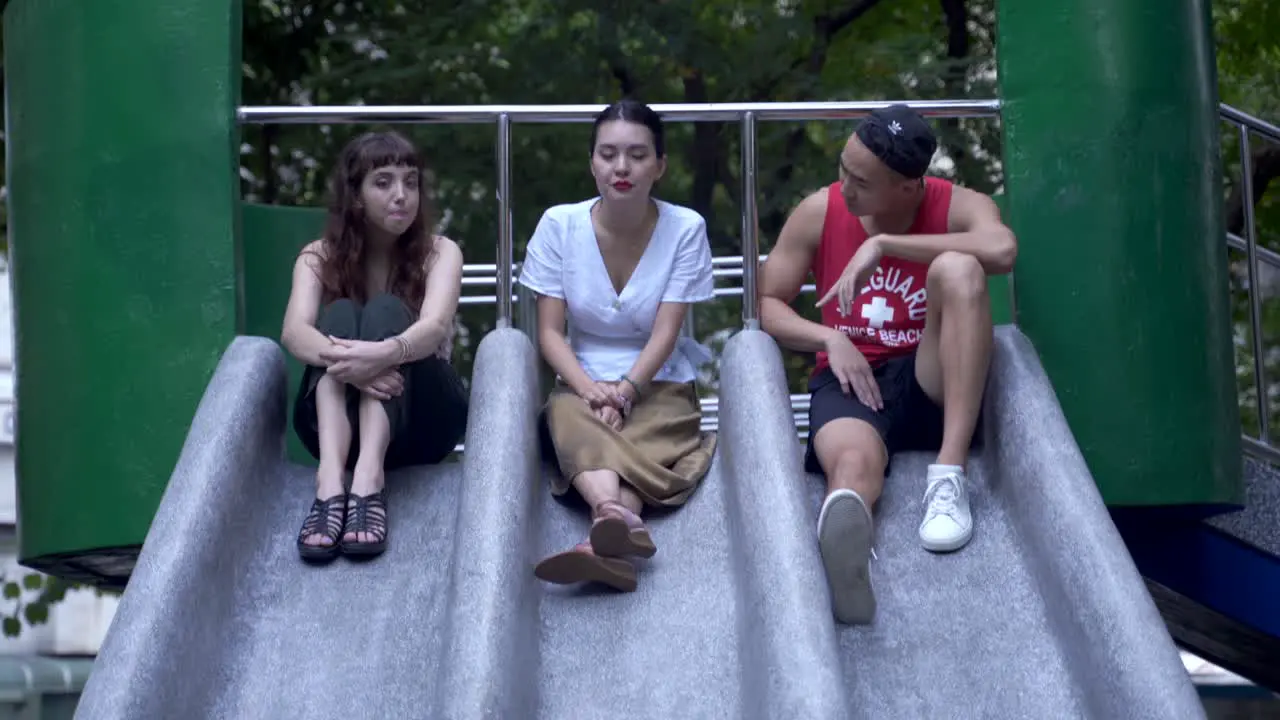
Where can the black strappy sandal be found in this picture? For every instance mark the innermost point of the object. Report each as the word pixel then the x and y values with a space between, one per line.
pixel 326 519
pixel 366 514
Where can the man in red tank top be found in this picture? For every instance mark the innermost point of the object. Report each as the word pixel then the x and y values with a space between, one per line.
pixel 900 262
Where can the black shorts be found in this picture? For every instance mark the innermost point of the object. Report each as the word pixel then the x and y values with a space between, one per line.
pixel 910 420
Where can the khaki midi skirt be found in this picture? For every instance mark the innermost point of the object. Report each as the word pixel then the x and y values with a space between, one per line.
pixel 661 452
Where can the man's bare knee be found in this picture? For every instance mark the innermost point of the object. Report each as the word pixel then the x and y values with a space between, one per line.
pixel 852 456
pixel 860 463
pixel 957 276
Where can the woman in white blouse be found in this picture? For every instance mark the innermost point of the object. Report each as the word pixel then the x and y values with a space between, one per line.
pixel 622 269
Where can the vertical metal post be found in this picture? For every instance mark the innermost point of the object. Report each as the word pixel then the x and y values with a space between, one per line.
pixel 750 228
pixel 1255 289
pixel 506 251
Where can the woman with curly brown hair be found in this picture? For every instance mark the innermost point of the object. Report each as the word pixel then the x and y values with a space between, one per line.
pixel 371 317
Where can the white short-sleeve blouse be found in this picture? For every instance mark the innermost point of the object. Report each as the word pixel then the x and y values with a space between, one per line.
pixel 607 330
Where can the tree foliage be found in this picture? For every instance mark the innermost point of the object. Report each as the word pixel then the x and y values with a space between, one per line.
pixel 1248 56
pixel 591 52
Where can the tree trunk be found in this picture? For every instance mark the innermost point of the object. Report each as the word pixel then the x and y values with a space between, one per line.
pixel 1266 167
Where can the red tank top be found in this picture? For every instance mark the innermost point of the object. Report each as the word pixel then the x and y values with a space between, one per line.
pixel 888 314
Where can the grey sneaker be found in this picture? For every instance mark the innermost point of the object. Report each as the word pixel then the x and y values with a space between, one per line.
pixel 845 534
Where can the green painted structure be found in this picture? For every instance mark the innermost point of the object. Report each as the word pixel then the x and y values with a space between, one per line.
pixel 273 236
pixel 123 174
pixel 134 262
pixel 1109 108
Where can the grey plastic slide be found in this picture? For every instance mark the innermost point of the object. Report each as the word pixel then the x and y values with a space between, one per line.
pixel 1042 616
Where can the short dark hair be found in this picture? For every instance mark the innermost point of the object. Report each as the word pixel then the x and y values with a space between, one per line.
pixel 629 110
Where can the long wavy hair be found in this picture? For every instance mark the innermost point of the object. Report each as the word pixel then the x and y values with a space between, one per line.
pixel 342 271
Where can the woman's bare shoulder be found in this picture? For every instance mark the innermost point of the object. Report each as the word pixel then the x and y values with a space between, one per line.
pixel 444 244
pixel 313 253
pixel 444 248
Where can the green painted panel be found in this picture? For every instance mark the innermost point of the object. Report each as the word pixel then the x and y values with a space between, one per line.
pixel 273 235
pixel 1001 299
pixel 122 178
pixel 998 286
pixel 1113 176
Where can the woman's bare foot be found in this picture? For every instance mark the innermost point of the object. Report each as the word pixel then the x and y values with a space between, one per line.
pixel 328 485
pixel 366 484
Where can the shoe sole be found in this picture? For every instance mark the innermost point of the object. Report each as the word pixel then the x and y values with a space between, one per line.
pixel 949 546
pixel 319 554
pixel 364 550
pixel 844 539
pixel 611 537
pixel 568 568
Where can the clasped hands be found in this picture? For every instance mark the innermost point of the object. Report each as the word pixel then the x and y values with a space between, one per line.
pixel 609 400
pixel 367 366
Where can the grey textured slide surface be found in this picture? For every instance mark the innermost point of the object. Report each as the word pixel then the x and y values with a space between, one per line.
pixel 1043 615
pixel 671 647
pixel 221 618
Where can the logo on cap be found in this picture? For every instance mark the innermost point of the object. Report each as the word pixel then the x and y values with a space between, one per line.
pixel 895 127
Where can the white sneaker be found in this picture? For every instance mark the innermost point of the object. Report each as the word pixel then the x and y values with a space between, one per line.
pixel 845 535
pixel 947 524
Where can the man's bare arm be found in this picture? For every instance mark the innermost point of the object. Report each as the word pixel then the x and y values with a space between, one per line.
pixel 976 230
pixel 783 274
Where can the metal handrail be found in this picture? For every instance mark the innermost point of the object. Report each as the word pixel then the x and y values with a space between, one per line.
pixel 682 112
pixel 1246 125
pixel 1256 124
pixel 1265 256
pixel 748 114
pixel 745 266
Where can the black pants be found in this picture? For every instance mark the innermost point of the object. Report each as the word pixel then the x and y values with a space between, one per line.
pixel 427 419
pixel 910 420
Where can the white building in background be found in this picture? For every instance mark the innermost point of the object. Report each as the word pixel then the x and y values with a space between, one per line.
pixel 77 625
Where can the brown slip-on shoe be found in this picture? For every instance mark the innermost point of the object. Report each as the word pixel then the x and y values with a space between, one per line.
pixel 618 532
pixel 580 564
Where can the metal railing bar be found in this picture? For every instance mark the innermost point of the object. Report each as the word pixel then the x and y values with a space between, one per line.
pixel 476 275
pixel 750 227
pixel 678 112
pixel 483 299
pixel 477 281
pixel 737 291
pixel 487 268
pixel 1265 256
pixel 1260 450
pixel 799 403
pixel 1241 118
pixel 506 248
pixel 1255 295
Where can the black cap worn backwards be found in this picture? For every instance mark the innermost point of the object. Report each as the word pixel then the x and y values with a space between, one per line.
pixel 900 138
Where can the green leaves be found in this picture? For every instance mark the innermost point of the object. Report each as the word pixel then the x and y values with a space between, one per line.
pixel 33 596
